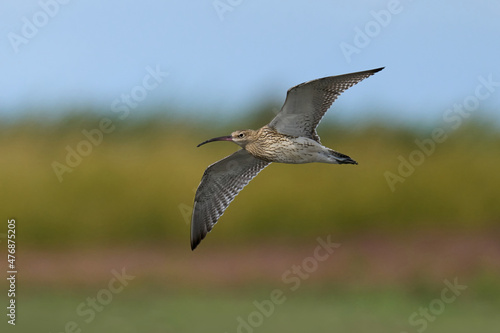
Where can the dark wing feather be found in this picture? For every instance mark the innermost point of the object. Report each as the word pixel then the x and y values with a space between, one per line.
pixel 220 183
pixel 308 102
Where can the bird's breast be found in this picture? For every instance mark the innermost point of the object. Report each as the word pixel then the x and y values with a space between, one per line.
pixel 286 149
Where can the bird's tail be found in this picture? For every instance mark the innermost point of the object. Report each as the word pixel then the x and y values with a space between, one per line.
pixel 340 158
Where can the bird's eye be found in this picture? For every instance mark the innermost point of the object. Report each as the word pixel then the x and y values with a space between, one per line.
pixel 241 135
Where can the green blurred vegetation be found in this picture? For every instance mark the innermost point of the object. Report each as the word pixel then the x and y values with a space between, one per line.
pixel 303 311
pixel 138 184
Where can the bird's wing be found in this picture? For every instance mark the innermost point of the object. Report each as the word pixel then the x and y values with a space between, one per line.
pixel 308 102
pixel 220 183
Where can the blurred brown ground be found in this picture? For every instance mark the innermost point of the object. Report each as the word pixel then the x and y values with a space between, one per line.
pixel 379 260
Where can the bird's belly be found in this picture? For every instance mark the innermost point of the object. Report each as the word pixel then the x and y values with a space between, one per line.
pixel 297 151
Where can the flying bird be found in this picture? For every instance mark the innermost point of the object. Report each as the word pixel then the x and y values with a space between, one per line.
pixel 289 138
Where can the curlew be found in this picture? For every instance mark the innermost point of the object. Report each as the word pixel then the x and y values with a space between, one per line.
pixel 289 138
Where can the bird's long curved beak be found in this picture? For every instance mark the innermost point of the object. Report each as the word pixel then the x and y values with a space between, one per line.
pixel 220 138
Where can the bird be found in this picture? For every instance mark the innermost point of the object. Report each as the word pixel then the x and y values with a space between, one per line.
pixel 289 138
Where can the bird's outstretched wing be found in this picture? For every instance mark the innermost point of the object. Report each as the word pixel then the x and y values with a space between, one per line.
pixel 308 102
pixel 220 183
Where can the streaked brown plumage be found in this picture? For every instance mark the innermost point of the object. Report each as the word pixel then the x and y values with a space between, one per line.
pixel 289 138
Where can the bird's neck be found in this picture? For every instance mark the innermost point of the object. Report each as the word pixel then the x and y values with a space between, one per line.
pixel 260 147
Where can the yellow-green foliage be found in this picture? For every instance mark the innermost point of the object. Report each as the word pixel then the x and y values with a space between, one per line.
pixel 138 184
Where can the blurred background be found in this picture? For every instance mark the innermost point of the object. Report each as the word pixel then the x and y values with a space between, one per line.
pixel 102 105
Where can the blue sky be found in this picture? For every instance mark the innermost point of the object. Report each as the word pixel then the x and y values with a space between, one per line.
pixel 225 57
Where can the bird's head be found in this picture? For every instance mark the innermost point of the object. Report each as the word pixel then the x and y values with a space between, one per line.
pixel 241 138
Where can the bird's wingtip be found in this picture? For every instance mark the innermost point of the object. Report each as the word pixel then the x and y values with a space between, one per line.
pixel 195 241
pixel 195 237
pixel 198 230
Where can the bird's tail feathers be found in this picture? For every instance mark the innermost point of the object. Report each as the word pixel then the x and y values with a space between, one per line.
pixel 341 158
